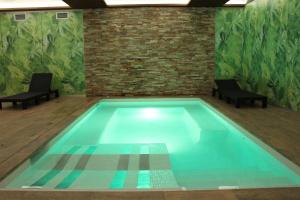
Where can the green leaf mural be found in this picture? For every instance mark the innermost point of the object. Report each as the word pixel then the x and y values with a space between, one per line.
pixel 41 43
pixel 260 46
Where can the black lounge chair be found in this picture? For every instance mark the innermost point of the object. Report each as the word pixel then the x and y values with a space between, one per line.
pixel 231 91
pixel 40 86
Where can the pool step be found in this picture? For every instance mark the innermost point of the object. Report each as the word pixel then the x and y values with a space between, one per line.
pixel 157 148
pixel 108 156
pixel 105 162
pixel 133 167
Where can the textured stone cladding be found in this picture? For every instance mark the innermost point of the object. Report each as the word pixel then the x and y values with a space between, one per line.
pixel 149 51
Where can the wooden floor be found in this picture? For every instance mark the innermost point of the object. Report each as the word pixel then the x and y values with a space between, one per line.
pixel 22 132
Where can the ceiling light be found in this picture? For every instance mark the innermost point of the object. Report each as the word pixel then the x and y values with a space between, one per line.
pixel 237 2
pixel 146 2
pixel 24 4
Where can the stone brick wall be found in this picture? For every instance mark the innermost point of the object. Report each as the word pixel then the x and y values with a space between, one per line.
pixel 149 51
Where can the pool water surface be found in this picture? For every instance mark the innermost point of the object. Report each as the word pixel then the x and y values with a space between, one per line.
pixel 153 144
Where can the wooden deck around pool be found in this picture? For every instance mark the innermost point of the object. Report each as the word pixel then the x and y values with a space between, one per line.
pixel 22 132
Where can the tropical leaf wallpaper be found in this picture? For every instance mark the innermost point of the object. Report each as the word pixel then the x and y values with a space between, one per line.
pixel 41 43
pixel 260 46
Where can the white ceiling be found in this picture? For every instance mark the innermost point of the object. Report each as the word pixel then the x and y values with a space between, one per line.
pixel 146 2
pixel 36 4
pixel 19 4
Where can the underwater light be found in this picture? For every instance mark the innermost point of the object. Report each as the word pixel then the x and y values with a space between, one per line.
pixel 146 2
pixel 150 113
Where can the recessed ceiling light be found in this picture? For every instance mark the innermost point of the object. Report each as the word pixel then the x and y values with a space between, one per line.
pixel 237 2
pixel 146 2
pixel 20 4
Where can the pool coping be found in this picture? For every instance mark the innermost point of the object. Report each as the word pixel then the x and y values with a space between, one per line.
pixel 268 194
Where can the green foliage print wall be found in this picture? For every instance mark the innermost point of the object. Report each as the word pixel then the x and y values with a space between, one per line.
pixel 260 46
pixel 41 43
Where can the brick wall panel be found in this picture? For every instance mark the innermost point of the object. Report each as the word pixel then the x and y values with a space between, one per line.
pixel 149 51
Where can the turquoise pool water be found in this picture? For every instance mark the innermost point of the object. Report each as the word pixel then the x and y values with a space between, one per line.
pixel 143 144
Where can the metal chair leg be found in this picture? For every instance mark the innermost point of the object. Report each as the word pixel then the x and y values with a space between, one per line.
pixel 36 101
pixel 237 104
pixel 24 105
pixel 265 103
